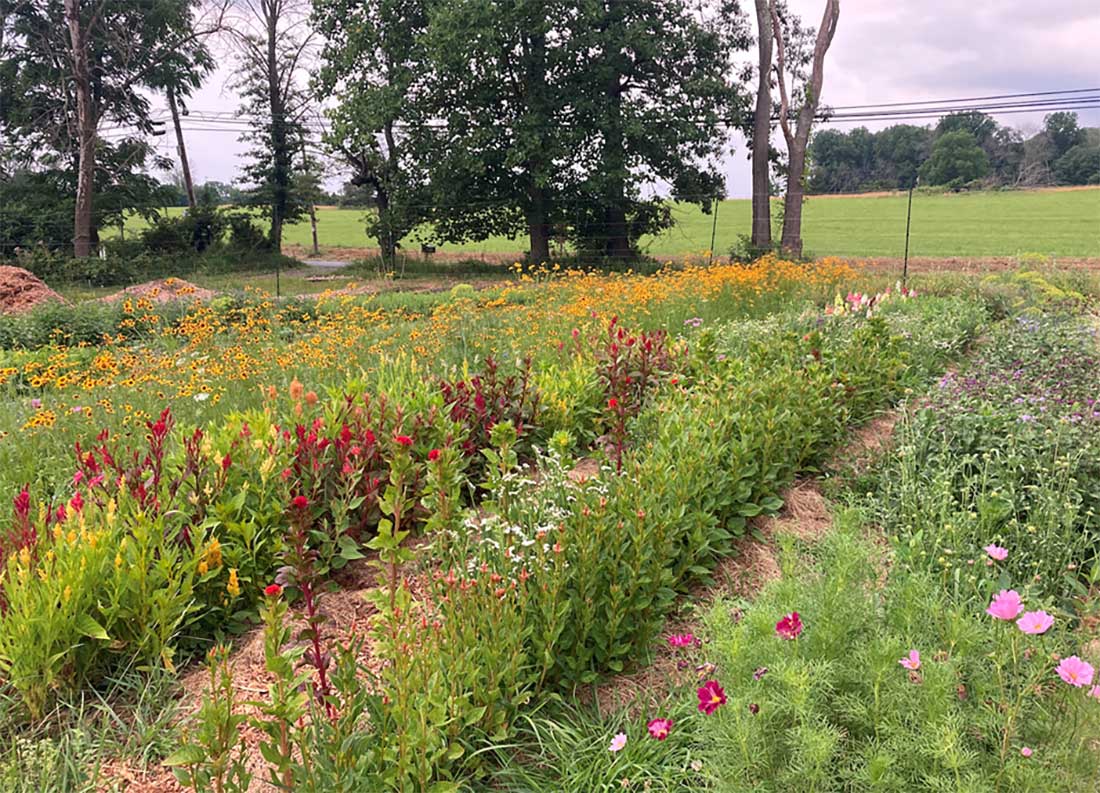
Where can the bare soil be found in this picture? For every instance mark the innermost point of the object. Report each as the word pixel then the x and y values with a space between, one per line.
pixel 336 254
pixel 21 290
pixel 162 290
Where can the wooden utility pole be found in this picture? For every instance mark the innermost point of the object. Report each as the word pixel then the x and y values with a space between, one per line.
pixel 188 185
pixel 85 130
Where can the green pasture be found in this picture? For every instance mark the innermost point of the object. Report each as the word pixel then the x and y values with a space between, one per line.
pixel 1058 223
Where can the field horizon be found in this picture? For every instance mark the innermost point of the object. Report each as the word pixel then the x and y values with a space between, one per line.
pixel 1052 222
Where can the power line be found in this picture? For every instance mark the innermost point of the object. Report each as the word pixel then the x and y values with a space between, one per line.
pixel 968 99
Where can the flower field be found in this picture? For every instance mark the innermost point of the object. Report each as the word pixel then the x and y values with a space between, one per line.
pixel 526 487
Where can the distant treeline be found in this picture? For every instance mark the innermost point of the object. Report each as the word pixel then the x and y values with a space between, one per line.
pixel 963 149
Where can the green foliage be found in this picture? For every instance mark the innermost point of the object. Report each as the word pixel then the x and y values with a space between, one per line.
pixel 837 710
pixel 1079 165
pixel 572 159
pixel 1004 454
pixel 131 50
pixel 956 159
pixel 833 709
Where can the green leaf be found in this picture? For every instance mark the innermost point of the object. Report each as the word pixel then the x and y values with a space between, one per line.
pixel 190 754
pixel 86 626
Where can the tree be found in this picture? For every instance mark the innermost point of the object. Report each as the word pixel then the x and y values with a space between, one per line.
pixel 63 83
pixel 653 81
pixel 373 59
pixel 799 137
pixel 503 157
pixel 1062 131
pixel 1079 165
pixel 761 130
pixel 900 150
pixel 273 51
pixel 956 159
pixel 980 126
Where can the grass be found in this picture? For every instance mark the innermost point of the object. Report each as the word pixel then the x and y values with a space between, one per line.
pixel 1051 222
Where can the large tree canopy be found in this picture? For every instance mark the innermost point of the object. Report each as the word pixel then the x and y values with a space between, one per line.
pixel 74 109
pixel 547 117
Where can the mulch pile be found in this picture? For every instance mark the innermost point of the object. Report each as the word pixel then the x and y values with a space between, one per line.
pixel 162 290
pixel 21 290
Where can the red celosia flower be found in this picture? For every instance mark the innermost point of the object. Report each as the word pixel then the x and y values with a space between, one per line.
pixel 711 696
pixel 403 440
pixel 299 502
pixel 433 455
pixel 659 728
pixel 789 627
pixel 76 503
pixel 23 503
pixel 273 590
pixel 681 640
pixel 226 462
pixel 613 403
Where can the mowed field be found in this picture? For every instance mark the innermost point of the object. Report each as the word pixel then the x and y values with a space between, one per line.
pixel 1052 222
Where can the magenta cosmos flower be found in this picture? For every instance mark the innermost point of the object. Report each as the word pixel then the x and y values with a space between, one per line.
pixel 996 552
pixel 1006 605
pixel 912 661
pixel 790 627
pixel 1035 622
pixel 1076 672
pixel 711 696
pixel 618 743
pixel 659 728
pixel 681 640
pixel 1026 751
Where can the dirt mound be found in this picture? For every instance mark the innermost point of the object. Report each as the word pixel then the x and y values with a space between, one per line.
pixel 162 290
pixel 21 290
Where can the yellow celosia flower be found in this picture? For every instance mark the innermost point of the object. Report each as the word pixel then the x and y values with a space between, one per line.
pixel 234 586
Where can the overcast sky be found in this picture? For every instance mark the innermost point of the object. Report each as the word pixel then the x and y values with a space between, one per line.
pixel 883 52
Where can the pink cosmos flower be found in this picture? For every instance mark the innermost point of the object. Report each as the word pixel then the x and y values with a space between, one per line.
pixel 1094 692
pixel 912 662
pixel 659 728
pixel 1035 622
pixel 711 696
pixel 996 552
pixel 1006 605
pixel 1026 751
pixel 789 627
pixel 1076 672
pixel 618 743
pixel 681 640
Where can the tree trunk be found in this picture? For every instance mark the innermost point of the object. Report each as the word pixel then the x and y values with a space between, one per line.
pixel 534 91
pixel 537 227
pixel 86 131
pixel 616 244
pixel 799 138
pixel 188 185
pixel 387 243
pixel 791 241
pixel 280 150
pixel 761 132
